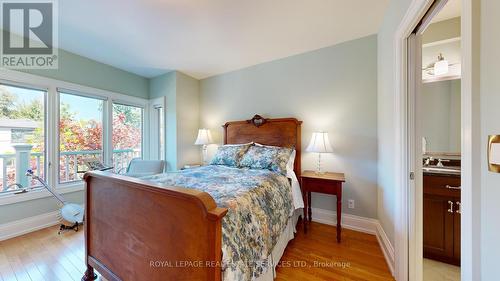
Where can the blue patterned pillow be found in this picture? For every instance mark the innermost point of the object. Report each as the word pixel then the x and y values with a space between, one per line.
pixel 281 160
pixel 259 157
pixel 229 155
pixel 267 157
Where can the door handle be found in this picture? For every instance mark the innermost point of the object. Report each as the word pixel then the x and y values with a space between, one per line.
pixel 450 209
pixel 453 187
pixel 459 207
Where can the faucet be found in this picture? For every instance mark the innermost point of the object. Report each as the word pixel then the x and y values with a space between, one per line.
pixel 440 162
pixel 428 161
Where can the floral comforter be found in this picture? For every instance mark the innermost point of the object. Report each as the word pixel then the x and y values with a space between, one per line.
pixel 259 204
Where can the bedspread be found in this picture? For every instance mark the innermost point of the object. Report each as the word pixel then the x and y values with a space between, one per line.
pixel 259 203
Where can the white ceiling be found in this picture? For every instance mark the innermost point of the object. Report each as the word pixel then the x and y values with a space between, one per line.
pixel 208 37
pixel 452 9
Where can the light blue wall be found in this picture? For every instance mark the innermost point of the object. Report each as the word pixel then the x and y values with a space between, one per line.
pixel 165 86
pixel 386 73
pixel 182 116
pixel 80 70
pixel 333 89
pixel 490 125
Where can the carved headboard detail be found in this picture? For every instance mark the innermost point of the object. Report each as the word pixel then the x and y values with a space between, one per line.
pixel 284 132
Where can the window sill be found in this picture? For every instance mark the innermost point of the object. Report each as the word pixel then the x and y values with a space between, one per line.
pixel 8 199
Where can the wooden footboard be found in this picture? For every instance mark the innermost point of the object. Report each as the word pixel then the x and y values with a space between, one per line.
pixel 136 230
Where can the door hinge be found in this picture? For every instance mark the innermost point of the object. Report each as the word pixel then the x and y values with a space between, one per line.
pixel 412 175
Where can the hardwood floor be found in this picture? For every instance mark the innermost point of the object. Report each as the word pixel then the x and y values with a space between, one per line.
pixel 44 255
pixel 317 256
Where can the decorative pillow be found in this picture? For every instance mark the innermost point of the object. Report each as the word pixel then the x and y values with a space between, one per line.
pixel 273 158
pixel 281 160
pixel 259 157
pixel 229 155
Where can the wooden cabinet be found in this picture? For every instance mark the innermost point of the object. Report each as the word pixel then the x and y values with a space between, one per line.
pixel 441 218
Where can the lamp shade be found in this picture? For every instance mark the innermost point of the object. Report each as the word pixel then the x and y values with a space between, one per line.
pixel 320 143
pixel 495 154
pixel 204 137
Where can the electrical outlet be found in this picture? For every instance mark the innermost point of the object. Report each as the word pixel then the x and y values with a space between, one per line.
pixel 351 203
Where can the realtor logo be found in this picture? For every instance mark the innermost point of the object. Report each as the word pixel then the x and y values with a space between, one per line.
pixel 29 34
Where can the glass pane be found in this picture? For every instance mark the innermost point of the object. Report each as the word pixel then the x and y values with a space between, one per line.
pixel 22 129
pixel 80 134
pixel 127 135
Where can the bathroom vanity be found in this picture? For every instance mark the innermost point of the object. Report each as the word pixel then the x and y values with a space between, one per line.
pixel 441 215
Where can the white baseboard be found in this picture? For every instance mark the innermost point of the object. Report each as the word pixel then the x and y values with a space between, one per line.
pixel 27 225
pixel 386 246
pixel 361 224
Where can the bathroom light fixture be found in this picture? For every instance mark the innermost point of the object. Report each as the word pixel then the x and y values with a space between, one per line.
pixel 320 144
pixel 441 66
pixel 494 153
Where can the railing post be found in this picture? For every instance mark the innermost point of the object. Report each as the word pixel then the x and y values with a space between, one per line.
pixel 22 162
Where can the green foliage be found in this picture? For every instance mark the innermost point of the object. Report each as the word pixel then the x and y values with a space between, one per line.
pixel 7 103
pixel 132 114
pixel 74 133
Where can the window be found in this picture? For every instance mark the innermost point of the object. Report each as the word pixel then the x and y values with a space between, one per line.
pixel 52 127
pixel 22 136
pixel 127 134
pixel 80 134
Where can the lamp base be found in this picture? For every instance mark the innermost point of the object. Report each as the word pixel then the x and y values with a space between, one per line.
pixel 318 168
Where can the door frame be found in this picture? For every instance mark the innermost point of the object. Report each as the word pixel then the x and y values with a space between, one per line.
pixel 408 260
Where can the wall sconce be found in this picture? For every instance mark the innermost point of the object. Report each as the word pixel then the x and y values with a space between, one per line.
pixel 494 153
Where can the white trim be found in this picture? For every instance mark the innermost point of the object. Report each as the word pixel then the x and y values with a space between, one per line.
pixel 357 223
pixel 361 224
pixel 471 143
pixel 39 193
pixel 386 246
pixel 27 225
pixel 402 262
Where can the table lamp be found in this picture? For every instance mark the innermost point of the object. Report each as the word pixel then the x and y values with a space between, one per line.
pixel 320 144
pixel 204 138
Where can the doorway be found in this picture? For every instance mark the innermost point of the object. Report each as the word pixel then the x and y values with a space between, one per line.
pixel 434 141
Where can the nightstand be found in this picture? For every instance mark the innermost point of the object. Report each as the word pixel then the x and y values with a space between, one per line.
pixel 326 183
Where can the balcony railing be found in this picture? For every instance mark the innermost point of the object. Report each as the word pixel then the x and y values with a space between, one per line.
pixel 70 163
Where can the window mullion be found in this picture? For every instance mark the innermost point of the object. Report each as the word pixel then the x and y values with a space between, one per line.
pixel 107 133
pixel 52 138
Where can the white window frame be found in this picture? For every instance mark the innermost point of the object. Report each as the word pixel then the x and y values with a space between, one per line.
pixel 45 124
pixel 145 151
pixel 105 124
pixel 52 86
pixel 154 137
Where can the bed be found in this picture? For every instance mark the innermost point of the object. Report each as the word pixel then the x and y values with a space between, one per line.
pixel 152 229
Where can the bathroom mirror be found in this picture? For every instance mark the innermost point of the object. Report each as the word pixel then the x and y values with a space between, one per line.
pixel 441 117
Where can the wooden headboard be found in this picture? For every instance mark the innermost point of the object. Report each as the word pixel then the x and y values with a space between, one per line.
pixel 284 132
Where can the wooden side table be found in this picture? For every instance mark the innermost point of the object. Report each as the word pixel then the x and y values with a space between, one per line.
pixel 326 183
